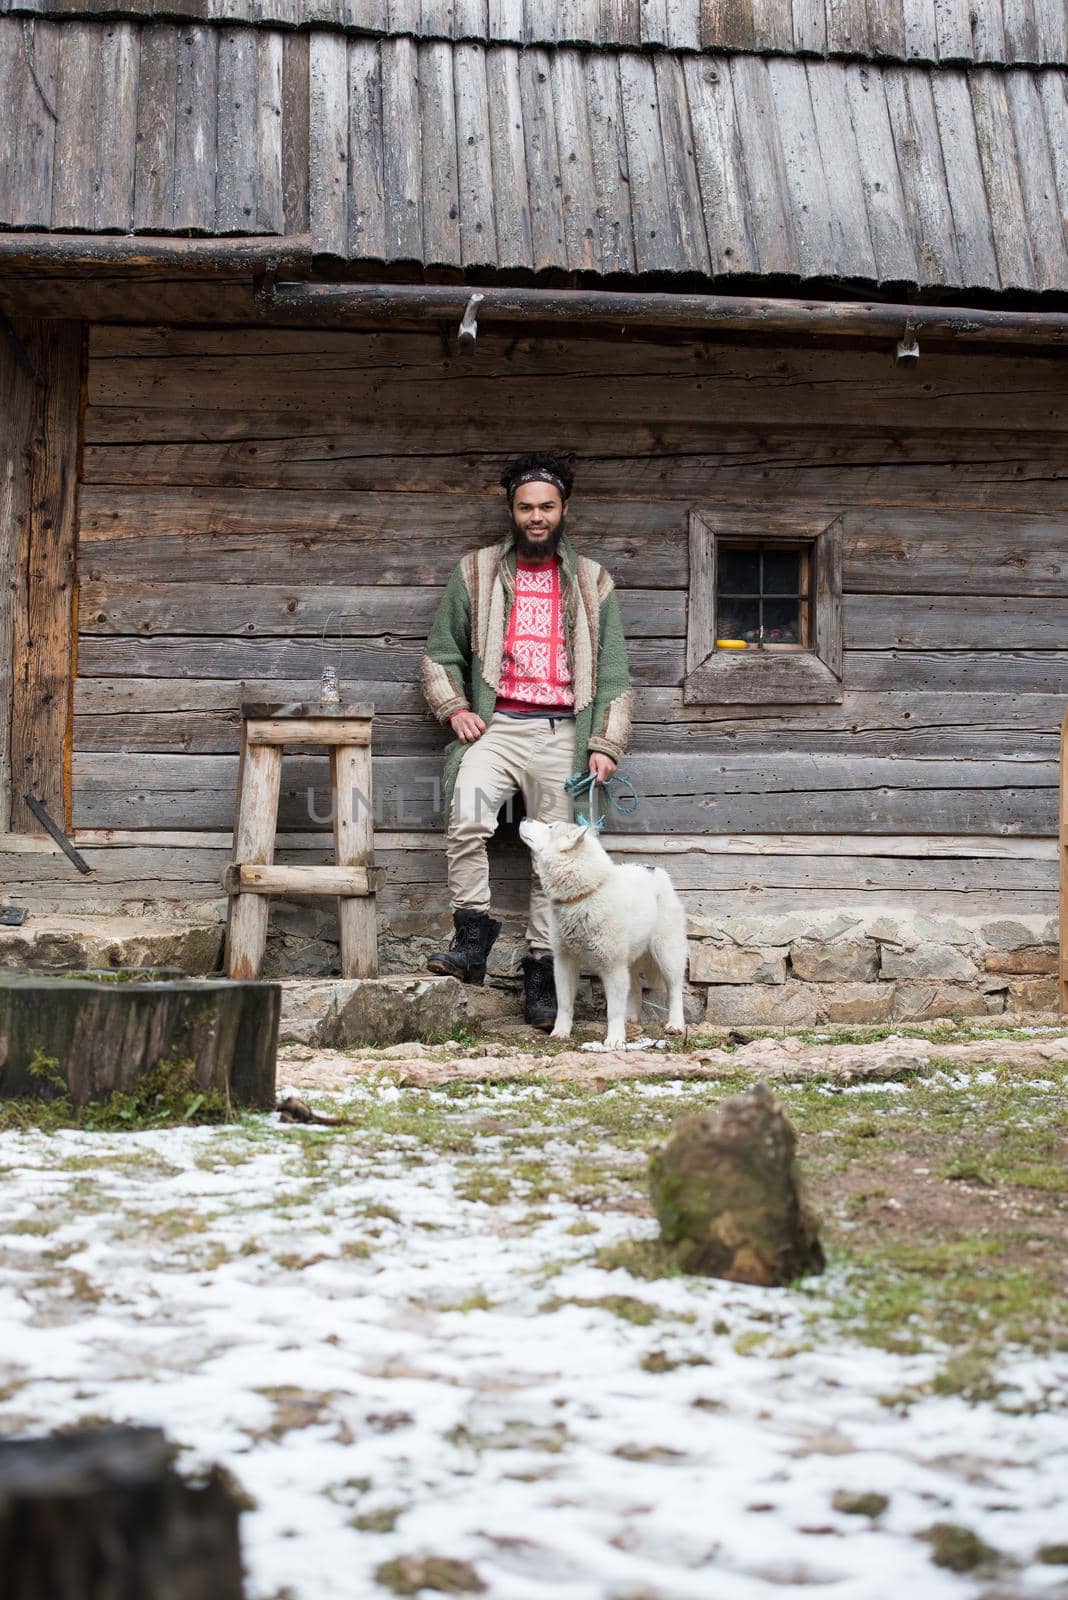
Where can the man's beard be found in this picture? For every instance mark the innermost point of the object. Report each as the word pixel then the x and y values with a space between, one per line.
pixel 537 550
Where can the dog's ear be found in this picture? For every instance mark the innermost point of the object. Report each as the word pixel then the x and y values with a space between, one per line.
pixel 579 836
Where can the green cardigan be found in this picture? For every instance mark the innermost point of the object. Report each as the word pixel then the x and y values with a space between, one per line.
pixel 461 667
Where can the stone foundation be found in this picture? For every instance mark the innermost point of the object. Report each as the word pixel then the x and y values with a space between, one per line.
pixel 861 967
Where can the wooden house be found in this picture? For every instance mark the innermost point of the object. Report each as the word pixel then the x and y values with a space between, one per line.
pixel 791 283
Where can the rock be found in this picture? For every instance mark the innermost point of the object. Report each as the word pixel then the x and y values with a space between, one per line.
pixel 887 930
pixel 863 1504
pixel 1005 935
pixel 1033 994
pixel 1037 959
pixel 726 1192
pixel 410 1575
pixel 849 962
pixel 957 1548
pixel 73 944
pixel 929 929
pixel 926 961
pixel 789 1005
pixel 923 1002
pixel 390 1010
pixel 857 1002
pixel 833 928
pixel 731 963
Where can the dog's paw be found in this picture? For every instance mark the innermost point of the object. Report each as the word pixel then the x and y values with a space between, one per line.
pixel 560 1033
pixel 615 1041
pixel 676 1029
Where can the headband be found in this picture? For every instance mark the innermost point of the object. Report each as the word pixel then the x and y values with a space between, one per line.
pixel 537 475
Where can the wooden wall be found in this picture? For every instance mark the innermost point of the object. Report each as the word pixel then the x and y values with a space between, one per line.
pixel 243 490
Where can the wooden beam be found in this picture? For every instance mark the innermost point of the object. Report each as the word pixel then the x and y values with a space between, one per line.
pixel 366 302
pixel 1063 854
pixel 51 252
pixel 16 392
pixel 249 878
pixel 42 609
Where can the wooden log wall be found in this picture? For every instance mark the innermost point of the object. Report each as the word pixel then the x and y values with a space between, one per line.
pixel 245 491
pixel 40 397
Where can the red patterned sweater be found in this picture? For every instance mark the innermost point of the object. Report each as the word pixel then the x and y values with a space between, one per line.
pixel 534 669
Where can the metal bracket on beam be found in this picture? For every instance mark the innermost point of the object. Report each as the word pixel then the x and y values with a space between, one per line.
pixel 908 347
pixel 469 323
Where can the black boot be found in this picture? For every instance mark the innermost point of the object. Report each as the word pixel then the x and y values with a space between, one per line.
pixel 539 992
pixel 471 944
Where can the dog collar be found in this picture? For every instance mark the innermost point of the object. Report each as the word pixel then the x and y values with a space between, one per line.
pixel 575 898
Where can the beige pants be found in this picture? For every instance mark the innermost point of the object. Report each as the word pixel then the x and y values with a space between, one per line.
pixel 531 755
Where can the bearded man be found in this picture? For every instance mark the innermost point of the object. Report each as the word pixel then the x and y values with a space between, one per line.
pixel 527 663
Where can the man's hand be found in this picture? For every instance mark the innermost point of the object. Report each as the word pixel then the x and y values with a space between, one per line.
pixel 467 726
pixel 602 767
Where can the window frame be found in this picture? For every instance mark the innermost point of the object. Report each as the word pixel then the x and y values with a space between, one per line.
pixel 811 676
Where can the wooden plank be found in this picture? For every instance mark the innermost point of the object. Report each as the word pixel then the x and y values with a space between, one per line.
pixel 849 236
pixel 769 218
pixel 157 87
pixel 338 220
pixel 685 794
pixel 953 30
pixel 886 29
pixel 1047 220
pixel 964 177
pixel 299 880
pixel 923 179
pixel 847 27
pixel 578 185
pixel 818 251
pixel 270 178
pixel 975 671
pixel 997 150
pixel 988 33
pixel 717 142
pixel 542 160
pixel 196 129
pixel 683 24
pixel 700 610
pixel 1053 88
pixel 478 236
pixel 17 404
pixel 120 48
pixel 1051 27
pixel 511 195
pixel 27 147
pixel 254 831
pixel 1062 851
pixel 505 21
pixel 727 25
pixel 469 19
pixel 895 257
pixel 680 166
pixel 401 160
pixel 41 621
pixel 809 26
pixel 1021 34
pixel 78 158
pixel 440 183
pixel 951 623
pixel 235 194
pixel 921 30
pixel 351 780
pixel 658 239
pixel 296 130
pixel 609 151
pixel 308 730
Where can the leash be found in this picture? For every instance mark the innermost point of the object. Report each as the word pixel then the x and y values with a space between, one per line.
pixel 583 786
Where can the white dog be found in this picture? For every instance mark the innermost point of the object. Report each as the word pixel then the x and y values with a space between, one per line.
pixel 618 922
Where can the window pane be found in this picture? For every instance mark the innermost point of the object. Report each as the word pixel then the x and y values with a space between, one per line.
pixel 739 571
pixel 782 622
pixel 737 619
pixel 782 572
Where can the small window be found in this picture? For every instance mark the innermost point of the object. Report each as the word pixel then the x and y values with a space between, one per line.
pixel 764 621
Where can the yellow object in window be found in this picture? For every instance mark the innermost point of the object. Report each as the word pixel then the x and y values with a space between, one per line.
pixel 731 644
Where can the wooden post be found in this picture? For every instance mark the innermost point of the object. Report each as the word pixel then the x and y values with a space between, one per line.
pixel 354 844
pixel 1063 858
pixel 259 782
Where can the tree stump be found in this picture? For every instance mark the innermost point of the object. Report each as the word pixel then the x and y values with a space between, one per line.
pixel 104 1030
pixel 103 1515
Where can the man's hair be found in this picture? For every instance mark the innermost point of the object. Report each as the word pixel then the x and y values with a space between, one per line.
pixel 556 465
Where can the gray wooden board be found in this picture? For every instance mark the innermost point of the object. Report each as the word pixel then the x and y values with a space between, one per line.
pixel 515 245
pixel 964 175
pixel 576 164
pixel 27 145
pixel 923 178
pixel 196 129
pixel 717 144
pixel 78 156
pixel 888 222
pixel 157 87
pixel 295 133
pixel 1046 218
pixel 478 235
pixel 609 154
pixel 328 178
pixel 235 196
pixel 680 794
pixel 997 150
pixel 770 218
pixel 657 244
pixel 401 141
pixel 817 245
pixel 849 240
pixel 440 183
pixel 548 240
pixel 680 166
pixel 270 134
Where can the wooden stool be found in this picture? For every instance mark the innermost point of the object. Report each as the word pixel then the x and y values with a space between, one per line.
pixel 265 730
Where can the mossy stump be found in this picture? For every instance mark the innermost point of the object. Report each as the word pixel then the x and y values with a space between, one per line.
pixel 98 1033
pixel 727 1193
pixel 105 1513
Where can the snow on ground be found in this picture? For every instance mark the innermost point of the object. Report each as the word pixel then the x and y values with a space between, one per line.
pixel 391 1369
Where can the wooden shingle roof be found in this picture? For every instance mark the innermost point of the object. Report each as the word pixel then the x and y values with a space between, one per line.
pixel 609 162
pixel 1001 32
